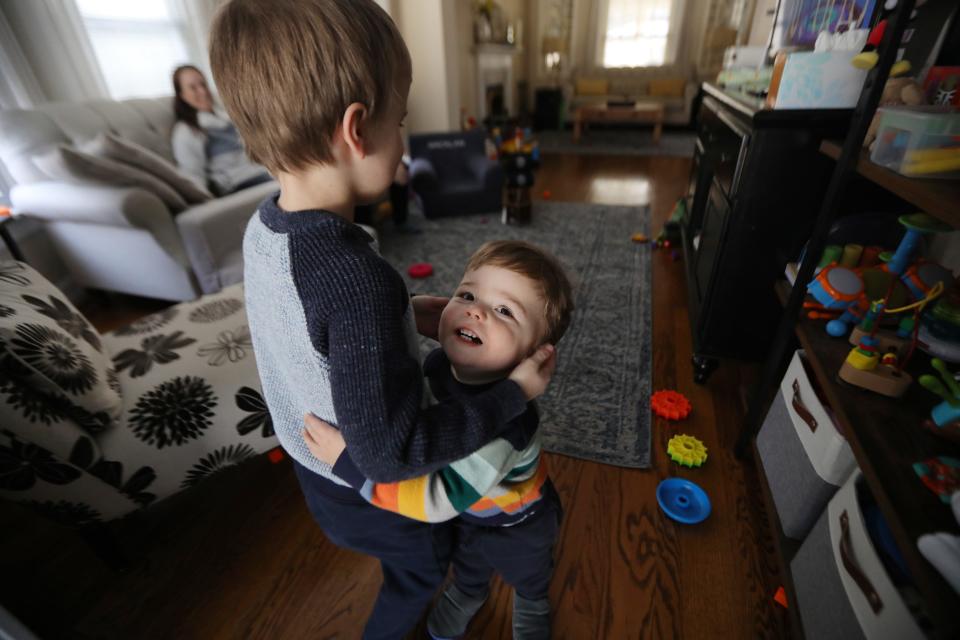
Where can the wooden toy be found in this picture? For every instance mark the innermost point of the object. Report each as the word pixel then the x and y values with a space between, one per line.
pixel 864 365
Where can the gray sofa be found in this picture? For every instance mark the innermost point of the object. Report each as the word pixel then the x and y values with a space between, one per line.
pixel 120 238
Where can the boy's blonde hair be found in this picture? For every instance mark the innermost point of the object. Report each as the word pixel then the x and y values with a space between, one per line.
pixel 288 69
pixel 544 269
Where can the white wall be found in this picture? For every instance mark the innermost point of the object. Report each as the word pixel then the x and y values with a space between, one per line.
pixel 429 29
pixel 762 23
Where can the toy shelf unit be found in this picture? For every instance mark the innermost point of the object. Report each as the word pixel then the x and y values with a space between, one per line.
pixel 887 438
pixel 887 435
pixel 938 197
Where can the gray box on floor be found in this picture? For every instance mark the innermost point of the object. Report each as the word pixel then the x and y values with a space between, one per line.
pixel 843 591
pixel 803 456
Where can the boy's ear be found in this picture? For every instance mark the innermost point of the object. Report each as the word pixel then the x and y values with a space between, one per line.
pixel 354 128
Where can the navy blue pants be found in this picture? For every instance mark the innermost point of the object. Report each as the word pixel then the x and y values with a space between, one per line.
pixel 522 554
pixel 414 556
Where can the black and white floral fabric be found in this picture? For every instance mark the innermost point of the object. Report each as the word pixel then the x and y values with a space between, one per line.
pixel 54 348
pixel 189 402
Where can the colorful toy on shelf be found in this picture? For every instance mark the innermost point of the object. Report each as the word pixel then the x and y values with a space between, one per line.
pixel 940 327
pixel 941 475
pixel 686 451
pixel 945 417
pixel 839 288
pixel 868 58
pixel 670 404
pixel 865 368
pixel 683 501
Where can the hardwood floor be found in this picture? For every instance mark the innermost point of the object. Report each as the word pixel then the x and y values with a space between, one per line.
pixel 239 557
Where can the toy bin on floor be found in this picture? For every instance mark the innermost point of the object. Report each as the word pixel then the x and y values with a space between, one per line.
pixel 846 573
pixel 802 454
pixel 919 141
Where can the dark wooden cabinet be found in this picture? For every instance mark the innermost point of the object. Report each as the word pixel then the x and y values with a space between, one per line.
pixel 755 187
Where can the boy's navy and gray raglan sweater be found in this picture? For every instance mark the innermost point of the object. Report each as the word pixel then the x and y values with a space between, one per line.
pixel 334 334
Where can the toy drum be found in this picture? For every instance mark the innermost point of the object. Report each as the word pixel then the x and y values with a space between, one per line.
pixel 836 287
pixel 924 276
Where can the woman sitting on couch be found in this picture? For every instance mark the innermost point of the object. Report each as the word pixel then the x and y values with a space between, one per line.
pixel 205 143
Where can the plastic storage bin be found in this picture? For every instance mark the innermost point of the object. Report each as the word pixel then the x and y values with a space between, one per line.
pixel 919 141
pixel 803 455
pixel 843 588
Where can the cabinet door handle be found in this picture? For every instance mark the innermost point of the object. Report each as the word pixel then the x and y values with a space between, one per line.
pixel 850 564
pixel 801 408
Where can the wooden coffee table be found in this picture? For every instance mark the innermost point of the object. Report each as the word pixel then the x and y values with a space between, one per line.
pixel 643 112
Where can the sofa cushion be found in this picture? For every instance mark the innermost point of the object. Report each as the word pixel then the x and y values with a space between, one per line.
pixel 50 347
pixel 112 147
pixel 592 86
pixel 667 87
pixel 69 165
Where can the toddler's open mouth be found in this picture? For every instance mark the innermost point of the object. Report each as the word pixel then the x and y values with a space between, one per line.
pixel 469 336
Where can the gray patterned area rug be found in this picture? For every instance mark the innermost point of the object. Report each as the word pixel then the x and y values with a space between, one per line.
pixel 619 142
pixel 597 406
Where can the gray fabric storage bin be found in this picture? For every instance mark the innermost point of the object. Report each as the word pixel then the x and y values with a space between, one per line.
pixel 832 604
pixel 803 456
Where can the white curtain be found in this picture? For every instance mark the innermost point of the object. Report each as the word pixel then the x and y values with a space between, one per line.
pixel 637 33
pixel 54 43
pixel 18 86
pixel 46 53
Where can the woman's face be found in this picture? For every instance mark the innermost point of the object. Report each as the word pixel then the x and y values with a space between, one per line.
pixel 194 90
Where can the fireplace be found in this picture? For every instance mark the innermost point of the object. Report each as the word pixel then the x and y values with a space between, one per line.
pixel 494 101
pixel 495 83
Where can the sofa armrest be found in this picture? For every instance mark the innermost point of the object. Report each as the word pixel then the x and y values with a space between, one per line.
pixel 213 231
pixel 88 204
pixel 423 176
pixel 131 207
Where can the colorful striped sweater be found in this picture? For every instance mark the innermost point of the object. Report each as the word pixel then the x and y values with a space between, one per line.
pixel 334 334
pixel 500 484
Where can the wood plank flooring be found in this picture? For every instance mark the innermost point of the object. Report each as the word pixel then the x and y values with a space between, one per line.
pixel 239 557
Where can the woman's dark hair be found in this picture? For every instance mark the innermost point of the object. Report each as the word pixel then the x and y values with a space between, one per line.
pixel 184 111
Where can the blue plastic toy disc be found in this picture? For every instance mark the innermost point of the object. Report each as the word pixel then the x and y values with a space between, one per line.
pixel 683 500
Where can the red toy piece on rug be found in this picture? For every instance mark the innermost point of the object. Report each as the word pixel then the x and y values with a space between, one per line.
pixel 670 404
pixel 420 270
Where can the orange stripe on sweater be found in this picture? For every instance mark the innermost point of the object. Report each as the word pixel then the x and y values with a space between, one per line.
pixel 520 494
pixel 386 496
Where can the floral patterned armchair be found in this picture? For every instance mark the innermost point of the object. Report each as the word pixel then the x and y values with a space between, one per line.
pixel 93 427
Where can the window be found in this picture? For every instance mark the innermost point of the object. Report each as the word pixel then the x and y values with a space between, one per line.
pixel 137 44
pixel 638 33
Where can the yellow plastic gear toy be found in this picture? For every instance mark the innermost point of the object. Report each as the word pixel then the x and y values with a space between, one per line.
pixel 687 451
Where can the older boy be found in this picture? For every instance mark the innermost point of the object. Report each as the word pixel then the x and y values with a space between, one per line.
pixel 317 90
pixel 512 298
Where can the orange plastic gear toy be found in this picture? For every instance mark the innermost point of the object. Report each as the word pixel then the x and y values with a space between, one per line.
pixel 670 404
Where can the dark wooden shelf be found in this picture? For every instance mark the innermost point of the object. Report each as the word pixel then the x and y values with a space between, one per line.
pixel 886 438
pixel 938 197
pixel 785 548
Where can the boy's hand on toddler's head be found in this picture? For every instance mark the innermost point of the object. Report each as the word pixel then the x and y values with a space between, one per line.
pixel 324 442
pixel 427 310
pixel 533 374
